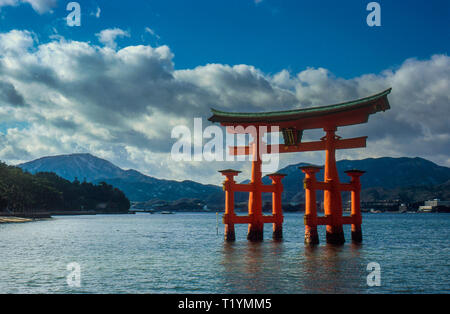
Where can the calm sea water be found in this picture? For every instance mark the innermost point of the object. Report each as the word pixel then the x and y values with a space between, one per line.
pixel 182 253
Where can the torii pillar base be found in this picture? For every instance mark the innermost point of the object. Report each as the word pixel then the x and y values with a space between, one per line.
pixel 311 235
pixel 356 234
pixel 255 232
pixel 335 235
pixel 229 233
pixel 277 234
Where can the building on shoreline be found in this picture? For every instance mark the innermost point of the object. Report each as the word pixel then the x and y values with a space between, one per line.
pixel 382 205
pixel 435 205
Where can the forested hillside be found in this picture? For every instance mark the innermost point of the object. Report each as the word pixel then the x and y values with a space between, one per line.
pixel 45 191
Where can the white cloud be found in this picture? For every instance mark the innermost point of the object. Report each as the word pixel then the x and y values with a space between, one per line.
pixel 40 6
pixel 108 36
pixel 8 2
pixel 122 105
pixel 16 42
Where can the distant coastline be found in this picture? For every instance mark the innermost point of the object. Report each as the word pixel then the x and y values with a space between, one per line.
pixel 50 185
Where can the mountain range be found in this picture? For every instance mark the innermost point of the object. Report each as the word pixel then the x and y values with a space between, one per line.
pixel 382 174
pixel 386 177
pixel 136 186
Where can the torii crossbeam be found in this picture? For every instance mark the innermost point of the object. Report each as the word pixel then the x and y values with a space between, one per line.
pixel 292 123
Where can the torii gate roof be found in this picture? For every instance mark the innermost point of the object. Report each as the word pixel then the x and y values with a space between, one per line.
pixel 347 113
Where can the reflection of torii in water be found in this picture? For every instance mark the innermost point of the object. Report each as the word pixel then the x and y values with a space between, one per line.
pixel 292 123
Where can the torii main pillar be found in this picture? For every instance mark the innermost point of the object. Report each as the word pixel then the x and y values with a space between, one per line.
pixel 256 227
pixel 332 201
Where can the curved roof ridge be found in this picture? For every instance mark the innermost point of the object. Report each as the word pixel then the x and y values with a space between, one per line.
pixel 218 113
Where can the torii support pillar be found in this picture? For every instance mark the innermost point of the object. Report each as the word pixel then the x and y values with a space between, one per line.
pixel 310 218
pixel 277 210
pixel 229 216
pixel 356 204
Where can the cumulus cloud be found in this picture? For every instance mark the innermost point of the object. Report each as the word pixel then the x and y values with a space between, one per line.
pixel 16 41
pixel 40 6
pixel 71 96
pixel 108 36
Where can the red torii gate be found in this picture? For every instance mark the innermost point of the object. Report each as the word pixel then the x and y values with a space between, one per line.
pixel 292 123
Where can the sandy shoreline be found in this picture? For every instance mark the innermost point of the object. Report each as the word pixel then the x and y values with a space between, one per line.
pixel 4 219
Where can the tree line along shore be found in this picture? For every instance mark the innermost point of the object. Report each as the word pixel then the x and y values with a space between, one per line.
pixel 23 194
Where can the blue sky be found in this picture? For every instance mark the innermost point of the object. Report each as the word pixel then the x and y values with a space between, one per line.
pixel 119 84
pixel 271 35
